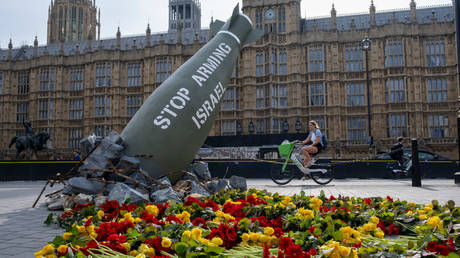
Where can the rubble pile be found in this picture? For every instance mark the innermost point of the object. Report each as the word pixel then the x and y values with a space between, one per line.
pixel 108 174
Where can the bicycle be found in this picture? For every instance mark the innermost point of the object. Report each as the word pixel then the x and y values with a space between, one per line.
pixel 321 173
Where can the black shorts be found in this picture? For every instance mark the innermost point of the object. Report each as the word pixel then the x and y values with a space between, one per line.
pixel 319 147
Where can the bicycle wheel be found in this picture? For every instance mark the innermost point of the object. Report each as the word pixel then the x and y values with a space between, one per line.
pixel 280 177
pixel 323 177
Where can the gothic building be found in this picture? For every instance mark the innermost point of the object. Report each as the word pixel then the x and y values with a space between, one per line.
pixel 301 69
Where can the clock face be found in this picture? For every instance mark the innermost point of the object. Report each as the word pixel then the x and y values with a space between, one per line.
pixel 270 14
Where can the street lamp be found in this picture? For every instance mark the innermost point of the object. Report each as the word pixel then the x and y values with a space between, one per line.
pixel 298 126
pixel 366 46
pixel 285 126
pixel 251 127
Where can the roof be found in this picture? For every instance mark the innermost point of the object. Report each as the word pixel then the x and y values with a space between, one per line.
pixel 443 13
pixel 127 43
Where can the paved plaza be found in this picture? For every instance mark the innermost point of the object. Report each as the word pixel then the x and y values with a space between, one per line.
pixel 23 232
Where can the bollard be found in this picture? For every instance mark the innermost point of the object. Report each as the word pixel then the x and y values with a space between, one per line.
pixel 416 176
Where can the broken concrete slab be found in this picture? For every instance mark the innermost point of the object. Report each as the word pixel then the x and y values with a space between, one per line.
pixel 238 182
pixel 164 195
pixel 121 192
pixel 83 185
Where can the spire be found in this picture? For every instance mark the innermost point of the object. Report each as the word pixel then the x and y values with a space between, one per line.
pixel 372 13
pixel 413 12
pixel 98 23
pixel 35 47
pixel 333 18
pixel 147 35
pixel 10 49
pixel 36 42
pixel 118 38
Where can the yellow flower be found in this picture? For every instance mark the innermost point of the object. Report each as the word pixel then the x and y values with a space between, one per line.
pixel 264 238
pixel 304 214
pixel 143 248
pixel 100 214
pixel 90 228
pixel 137 220
pixel 217 241
pixel 245 237
pixel 269 231
pixel 126 246
pixel 66 235
pixel 166 242
pixel 375 220
pixel 47 249
pixel 129 217
pixel 422 217
pixel 81 229
pixel 204 241
pixel 196 233
pixel 428 209
pixel 93 235
pixel 435 221
pixel 139 255
pixel 187 233
pixel 152 209
pixel 133 253
pixel 315 203
pixel 51 256
pixel 379 234
pixel 253 236
pixel 62 248
pixel 344 251
pixel 412 204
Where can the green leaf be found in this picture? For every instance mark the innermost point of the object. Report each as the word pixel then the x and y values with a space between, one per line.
pixel 57 241
pixel 181 248
pixel 49 219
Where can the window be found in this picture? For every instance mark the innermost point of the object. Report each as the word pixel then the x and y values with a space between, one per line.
pixel 274 61
pixel 1 83
pixel 393 52
pixel 396 125
pixel 355 94
pixel 281 20
pixel 76 109
pixel 283 61
pixel 437 90
pixel 231 100
pixel 236 71
pixel 439 126
pixel 353 59
pixel 259 63
pixel 102 106
pixel 103 72
pixel 163 68
pixel 260 126
pixel 134 75
pixel 61 27
pixel 260 98
pixel 23 83
pixel 435 53
pixel 74 138
pixel 102 130
pixel 74 23
pixel 395 91
pixel 275 125
pixel 22 112
pixel 279 96
pixel 76 79
pixel 47 79
pixel 316 92
pixel 356 129
pixel 80 23
pixel 228 128
pixel 259 19
pixel 133 103
pixel 45 109
pixel 316 59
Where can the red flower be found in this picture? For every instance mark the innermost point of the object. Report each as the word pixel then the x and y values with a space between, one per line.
pixel 255 200
pixel 226 233
pixel 438 248
pixel 110 206
pixel 156 244
pixel 170 219
pixel 284 243
pixel 368 201
pixel 129 207
pixel 66 214
pixel 196 222
pixel 266 253
pixel 389 199
pixel 80 206
pixel 236 210
pixel 332 198
pixel 88 222
pixel 149 218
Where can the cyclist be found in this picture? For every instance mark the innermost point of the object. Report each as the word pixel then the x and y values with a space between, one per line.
pixel 314 141
pixel 397 154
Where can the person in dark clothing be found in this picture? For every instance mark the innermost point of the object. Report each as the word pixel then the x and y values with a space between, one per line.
pixel 397 154
pixel 77 156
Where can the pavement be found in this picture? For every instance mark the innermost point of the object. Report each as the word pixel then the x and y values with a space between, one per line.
pixel 22 231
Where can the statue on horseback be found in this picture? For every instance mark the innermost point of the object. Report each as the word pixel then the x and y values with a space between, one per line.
pixel 30 141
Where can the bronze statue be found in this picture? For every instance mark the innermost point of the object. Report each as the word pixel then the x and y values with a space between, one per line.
pixel 32 141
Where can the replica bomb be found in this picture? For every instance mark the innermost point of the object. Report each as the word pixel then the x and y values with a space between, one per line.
pixel 176 118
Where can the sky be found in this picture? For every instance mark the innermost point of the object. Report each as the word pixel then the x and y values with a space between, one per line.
pixel 22 20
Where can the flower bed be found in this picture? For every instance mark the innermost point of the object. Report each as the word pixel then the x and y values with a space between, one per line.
pixel 259 224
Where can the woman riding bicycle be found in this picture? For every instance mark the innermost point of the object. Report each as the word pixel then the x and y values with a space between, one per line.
pixel 314 140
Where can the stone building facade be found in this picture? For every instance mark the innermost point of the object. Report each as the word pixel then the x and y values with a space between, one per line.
pixel 302 69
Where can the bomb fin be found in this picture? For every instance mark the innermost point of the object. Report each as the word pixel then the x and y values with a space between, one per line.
pixel 254 35
pixel 216 26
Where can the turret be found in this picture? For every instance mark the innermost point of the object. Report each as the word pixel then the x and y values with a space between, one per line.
pixel 35 47
pixel 413 12
pixel 147 35
pixel 333 18
pixel 10 49
pixel 118 38
pixel 372 13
